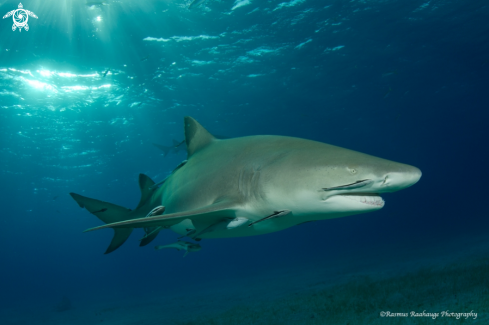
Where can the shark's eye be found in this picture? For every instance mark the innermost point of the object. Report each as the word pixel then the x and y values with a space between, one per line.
pixel 357 184
pixel 352 170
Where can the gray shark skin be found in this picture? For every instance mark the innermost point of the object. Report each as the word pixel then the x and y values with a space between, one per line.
pixel 254 185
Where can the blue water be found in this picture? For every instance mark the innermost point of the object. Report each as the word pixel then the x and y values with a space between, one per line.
pixel 403 80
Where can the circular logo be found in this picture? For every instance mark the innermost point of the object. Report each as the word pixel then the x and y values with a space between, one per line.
pixel 20 18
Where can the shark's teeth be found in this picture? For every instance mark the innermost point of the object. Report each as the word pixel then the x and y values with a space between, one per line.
pixel 367 199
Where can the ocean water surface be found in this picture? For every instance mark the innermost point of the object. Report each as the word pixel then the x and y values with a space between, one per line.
pixel 94 93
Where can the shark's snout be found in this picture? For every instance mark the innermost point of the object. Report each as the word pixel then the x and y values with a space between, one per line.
pixel 400 179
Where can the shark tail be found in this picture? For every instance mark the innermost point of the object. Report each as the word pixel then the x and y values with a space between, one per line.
pixel 110 213
pixel 166 150
pixel 177 144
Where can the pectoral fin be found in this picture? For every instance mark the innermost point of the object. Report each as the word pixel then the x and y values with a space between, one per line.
pixel 211 214
pixel 238 222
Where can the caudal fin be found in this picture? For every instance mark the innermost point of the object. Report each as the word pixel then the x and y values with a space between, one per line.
pixel 108 213
pixel 165 150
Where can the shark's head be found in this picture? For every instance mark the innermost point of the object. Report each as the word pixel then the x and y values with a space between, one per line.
pixel 325 181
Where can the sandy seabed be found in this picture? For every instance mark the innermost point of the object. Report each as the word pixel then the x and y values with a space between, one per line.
pixel 376 287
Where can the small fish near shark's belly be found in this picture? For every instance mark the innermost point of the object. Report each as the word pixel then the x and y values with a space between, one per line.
pixel 254 225
pixel 245 231
pixel 258 227
pixel 246 224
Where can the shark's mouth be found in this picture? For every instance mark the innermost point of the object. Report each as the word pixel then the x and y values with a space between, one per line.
pixel 366 198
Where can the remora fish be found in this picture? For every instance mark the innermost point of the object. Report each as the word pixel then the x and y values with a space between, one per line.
pixel 254 185
pixel 182 245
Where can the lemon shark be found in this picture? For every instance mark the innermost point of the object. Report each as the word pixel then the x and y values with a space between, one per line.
pixel 253 185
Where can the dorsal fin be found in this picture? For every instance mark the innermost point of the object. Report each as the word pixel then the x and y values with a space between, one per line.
pixel 145 185
pixel 196 136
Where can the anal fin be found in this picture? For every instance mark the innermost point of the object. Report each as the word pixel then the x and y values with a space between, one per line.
pixel 148 238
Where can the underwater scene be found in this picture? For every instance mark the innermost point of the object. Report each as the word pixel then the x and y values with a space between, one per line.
pixel 244 162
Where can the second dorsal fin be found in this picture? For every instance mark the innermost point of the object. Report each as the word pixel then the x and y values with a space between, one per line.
pixel 196 137
pixel 145 185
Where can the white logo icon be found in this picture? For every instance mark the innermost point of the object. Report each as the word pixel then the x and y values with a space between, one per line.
pixel 20 17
